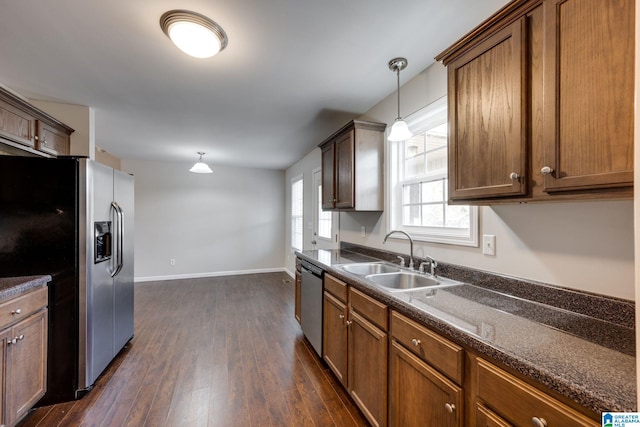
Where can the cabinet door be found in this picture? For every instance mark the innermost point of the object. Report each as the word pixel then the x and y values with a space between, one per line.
pixel 486 418
pixel 328 181
pixel 26 366
pixel 16 125
pixel 368 368
pixel 345 168
pixel 419 395
pixel 487 118
pixel 335 336
pixel 589 86
pixel 51 140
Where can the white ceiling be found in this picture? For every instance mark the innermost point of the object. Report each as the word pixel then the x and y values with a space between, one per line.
pixel 294 70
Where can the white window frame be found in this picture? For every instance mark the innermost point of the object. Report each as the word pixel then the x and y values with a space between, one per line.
pixel 422 120
pixel 294 181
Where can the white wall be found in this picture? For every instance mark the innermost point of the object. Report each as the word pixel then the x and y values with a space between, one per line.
pixel 581 245
pixel 305 168
pixel 227 222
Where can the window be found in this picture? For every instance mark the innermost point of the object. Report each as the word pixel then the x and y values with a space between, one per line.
pixel 296 213
pixel 418 183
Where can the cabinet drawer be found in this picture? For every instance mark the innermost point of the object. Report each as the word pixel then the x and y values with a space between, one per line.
pixel 441 353
pixel 21 307
pixel 368 307
pixel 519 402
pixel 335 287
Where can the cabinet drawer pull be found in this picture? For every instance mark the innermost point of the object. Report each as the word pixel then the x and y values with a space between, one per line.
pixel 539 422
pixel 16 311
pixel 415 342
pixel 546 170
pixel 514 176
pixel 450 407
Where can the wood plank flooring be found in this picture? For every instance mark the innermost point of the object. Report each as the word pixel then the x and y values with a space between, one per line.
pixel 223 351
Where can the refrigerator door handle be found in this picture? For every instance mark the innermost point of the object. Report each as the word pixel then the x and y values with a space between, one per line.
pixel 119 232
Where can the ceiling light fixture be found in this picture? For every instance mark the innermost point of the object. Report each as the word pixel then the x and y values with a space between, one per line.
pixel 193 33
pixel 400 130
pixel 200 166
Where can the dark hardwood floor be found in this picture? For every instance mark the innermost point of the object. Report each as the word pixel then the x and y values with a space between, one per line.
pixel 221 351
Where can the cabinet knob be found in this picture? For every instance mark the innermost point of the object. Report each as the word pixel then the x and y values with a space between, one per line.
pixel 341 316
pixel 415 342
pixel 539 422
pixel 546 170
pixel 349 322
pixel 21 337
pixel 450 407
pixel 513 176
pixel 16 311
pixel 335 200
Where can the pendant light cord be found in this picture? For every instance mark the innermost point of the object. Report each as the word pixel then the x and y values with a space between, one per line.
pixel 398 74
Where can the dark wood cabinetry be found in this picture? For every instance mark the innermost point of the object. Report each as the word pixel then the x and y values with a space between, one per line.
pixel 352 167
pixel 420 362
pixel 355 346
pixel 541 103
pixel 24 349
pixel 526 404
pixel 26 127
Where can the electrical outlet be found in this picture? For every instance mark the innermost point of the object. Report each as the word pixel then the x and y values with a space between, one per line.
pixel 489 244
pixel 363 231
pixel 172 261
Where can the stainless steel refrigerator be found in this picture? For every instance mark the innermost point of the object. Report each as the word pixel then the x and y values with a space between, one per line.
pixel 72 218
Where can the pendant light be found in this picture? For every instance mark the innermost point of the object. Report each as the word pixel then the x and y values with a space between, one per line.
pixel 192 33
pixel 400 130
pixel 200 166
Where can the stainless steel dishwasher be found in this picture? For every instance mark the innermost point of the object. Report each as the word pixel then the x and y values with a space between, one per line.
pixel 311 304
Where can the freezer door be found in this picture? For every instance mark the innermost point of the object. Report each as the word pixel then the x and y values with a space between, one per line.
pixel 123 281
pixel 98 314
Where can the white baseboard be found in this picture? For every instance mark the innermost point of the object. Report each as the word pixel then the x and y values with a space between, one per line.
pixel 211 274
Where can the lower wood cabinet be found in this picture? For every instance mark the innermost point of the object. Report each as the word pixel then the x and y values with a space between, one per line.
pixel 355 344
pixel 419 395
pixel 422 369
pixel 367 355
pixel 24 353
pixel 487 418
pixel 403 374
pixel 525 405
pixel 334 345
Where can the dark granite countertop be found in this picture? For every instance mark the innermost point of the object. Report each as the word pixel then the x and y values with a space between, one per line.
pixel 11 287
pixel 588 360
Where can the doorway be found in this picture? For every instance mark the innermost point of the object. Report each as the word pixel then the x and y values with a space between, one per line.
pixel 325 223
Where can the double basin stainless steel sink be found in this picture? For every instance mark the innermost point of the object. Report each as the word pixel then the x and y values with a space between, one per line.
pixel 394 278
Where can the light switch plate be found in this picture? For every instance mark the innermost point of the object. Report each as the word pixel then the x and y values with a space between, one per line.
pixel 489 244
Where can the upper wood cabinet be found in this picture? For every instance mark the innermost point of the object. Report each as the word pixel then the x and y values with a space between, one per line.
pixel 352 167
pixel 541 103
pixel 588 87
pixel 487 140
pixel 28 128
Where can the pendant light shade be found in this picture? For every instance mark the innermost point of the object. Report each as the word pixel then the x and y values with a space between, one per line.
pixel 200 166
pixel 400 130
pixel 192 33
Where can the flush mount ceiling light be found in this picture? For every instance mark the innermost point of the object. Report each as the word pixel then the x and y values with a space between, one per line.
pixel 399 131
pixel 192 33
pixel 200 166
